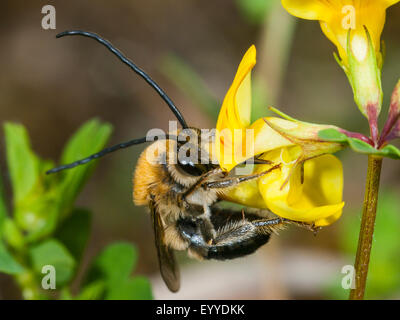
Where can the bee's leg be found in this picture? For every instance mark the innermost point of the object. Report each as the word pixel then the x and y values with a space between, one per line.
pixel 206 226
pixel 222 183
pixel 308 226
pixel 198 183
pixel 218 170
pixel 221 216
pixel 234 239
pixel 225 183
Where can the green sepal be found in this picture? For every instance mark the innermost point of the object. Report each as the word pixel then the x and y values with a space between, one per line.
pixel 389 151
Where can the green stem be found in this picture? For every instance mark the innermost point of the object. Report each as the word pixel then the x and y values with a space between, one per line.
pixel 367 227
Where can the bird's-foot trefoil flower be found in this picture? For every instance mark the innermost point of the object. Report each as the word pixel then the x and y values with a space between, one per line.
pixel 306 186
pixel 355 27
pixel 337 17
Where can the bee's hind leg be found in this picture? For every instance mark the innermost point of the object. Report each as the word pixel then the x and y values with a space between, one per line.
pixel 308 226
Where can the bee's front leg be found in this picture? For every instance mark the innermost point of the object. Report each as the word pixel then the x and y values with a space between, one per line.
pixel 199 182
pixel 231 182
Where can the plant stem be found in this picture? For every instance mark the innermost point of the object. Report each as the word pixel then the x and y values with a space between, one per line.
pixel 367 227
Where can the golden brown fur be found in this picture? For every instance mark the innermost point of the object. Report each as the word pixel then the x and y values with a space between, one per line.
pixel 163 184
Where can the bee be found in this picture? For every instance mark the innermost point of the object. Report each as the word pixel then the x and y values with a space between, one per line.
pixel 183 195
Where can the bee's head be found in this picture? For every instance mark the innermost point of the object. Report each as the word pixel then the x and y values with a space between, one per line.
pixel 189 156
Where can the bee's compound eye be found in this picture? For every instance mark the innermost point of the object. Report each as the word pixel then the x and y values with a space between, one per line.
pixel 190 168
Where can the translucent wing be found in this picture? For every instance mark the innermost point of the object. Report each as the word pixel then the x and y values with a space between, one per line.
pixel 166 258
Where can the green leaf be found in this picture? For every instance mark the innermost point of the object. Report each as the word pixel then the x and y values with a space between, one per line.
pixel 22 163
pixel 89 139
pixel 389 151
pixel 3 207
pixel 94 291
pixel 361 146
pixel 65 294
pixel 34 206
pixel 13 235
pixel 114 264
pixel 138 288
pixel 7 263
pixel 37 214
pixel 112 268
pixel 52 252
pixel 74 232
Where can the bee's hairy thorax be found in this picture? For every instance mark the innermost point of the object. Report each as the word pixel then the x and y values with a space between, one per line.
pixel 163 184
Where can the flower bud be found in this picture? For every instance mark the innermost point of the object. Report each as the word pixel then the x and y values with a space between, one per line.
pixel 365 78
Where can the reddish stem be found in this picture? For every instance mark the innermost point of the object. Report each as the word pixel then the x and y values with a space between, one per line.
pixel 357 136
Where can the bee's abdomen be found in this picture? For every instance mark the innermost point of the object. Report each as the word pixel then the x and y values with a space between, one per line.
pixel 239 246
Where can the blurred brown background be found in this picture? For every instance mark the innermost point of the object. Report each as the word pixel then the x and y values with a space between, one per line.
pixel 53 86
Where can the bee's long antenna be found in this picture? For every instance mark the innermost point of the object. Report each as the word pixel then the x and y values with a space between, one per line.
pixel 108 150
pixel 134 67
pixel 99 154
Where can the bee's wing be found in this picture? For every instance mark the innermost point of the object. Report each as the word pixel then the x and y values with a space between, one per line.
pixel 166 258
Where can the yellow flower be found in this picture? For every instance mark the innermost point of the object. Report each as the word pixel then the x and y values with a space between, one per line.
pixel 337 17
pixel 233 125
pixel 309 192
pixel 307 187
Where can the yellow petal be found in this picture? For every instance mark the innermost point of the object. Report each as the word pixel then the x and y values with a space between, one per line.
pixel 235 114
pixel 372 17
pixel 338 16
pixel 256 139
pixel 246 193
pixel 317 200
pixel 321 9
pixel 266 138
pixel 388 3
pixel 236 108
pixel 308 9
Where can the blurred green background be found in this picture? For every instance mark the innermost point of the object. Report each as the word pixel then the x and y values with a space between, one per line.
pixel 192 49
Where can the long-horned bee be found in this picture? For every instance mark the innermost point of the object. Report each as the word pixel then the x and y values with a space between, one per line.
pixel 183 195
